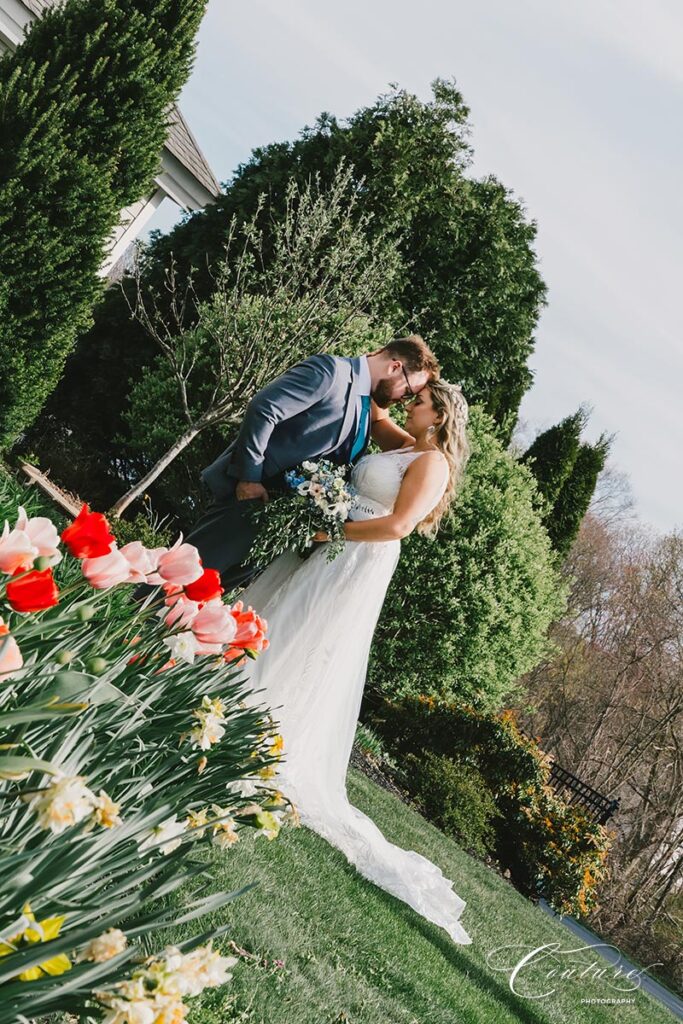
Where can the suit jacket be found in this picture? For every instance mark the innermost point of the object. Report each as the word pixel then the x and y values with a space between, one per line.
pixel 306 413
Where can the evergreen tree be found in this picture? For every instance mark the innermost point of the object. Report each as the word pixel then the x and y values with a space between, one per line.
pixel 469 281
pixel 552 455
pixel 83 104
pixel 575 494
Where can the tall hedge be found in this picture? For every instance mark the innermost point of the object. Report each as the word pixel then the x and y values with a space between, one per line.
pixel 83 117
pixel 467 614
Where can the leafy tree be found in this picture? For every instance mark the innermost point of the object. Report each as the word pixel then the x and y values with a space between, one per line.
pixel 322 281
pixel 82 120
pixel 575 494
pixel 467 613
pixel 469 281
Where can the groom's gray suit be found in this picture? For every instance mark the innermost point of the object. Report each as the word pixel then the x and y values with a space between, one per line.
pixel 311 411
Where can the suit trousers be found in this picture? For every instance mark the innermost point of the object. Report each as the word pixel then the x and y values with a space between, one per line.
pixel 226 531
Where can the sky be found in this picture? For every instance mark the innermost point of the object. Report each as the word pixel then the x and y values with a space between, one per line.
pixel 576 108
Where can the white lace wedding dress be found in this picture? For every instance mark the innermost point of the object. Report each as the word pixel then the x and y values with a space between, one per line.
pixel 321 618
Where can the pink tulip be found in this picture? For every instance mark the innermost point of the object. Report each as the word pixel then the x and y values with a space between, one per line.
pixel 181 564
pixel 204 648
pixel 10 655
pixel 213 624
pixel 17 551
pixel 141 560
pixel 42 533
pixel 181 611
pixel 106 570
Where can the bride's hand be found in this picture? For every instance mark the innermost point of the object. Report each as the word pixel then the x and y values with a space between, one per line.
pixel 320 536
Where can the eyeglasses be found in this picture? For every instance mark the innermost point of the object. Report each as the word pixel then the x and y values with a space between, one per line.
pixel 411 393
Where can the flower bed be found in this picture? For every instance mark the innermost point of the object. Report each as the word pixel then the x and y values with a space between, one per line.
pixel 124 740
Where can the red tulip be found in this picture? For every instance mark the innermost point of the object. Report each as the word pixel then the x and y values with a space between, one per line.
pixel 33 592
pixel 206 588
pixel 89 535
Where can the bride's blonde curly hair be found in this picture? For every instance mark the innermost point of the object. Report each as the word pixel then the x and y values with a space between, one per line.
pixel 450 437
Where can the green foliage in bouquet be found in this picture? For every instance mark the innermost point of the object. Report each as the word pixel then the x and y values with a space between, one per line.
pixel 83 117
pixel 319 498
pixel 467 613
pixel 120 750
pixel 552 848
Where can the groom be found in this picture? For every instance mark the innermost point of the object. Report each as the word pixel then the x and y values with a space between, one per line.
pixel 325 406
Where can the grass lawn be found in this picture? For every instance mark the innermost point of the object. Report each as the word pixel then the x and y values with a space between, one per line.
pixel 352 953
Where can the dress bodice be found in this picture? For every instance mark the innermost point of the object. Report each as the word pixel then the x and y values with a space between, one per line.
pixel 377 478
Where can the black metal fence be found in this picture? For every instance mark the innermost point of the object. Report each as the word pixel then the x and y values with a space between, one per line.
pixel 575 791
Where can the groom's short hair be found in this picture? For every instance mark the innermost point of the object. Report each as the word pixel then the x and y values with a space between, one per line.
pixel 415 354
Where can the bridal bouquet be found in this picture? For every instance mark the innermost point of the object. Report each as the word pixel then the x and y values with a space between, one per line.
pixel 321 499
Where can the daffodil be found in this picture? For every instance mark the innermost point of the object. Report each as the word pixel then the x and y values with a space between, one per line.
pixel 269 825
pixel 31 932
pixel 104 947
pixel 106 811
pixel 196 819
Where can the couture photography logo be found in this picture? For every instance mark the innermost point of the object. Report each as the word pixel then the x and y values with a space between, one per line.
pixel 538 972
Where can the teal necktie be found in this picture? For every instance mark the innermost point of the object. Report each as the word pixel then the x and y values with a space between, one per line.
pixel 362 427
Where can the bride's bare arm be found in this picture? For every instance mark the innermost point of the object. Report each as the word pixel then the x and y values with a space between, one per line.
pixel 387 434
pixel 423 477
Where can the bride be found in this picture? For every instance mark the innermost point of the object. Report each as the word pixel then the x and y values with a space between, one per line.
pixel 321 618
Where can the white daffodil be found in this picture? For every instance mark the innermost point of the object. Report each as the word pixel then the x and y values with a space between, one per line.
pixel 224 834
pixel 65 802
pixel 105 946
pixel 182 646
pixel 202 968
pixel 208 731
pixel 169 832
pixel 124 1011
pixel 243 787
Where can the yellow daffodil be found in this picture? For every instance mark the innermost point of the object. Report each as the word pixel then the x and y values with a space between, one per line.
pixel 31 932
pixel 195 819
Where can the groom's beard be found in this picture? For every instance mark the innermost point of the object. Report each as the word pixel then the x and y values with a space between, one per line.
pixel 382 394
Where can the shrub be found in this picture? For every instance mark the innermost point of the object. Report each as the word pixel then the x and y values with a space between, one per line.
pixel 552 848
pixel 455 797
pixel 83 103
